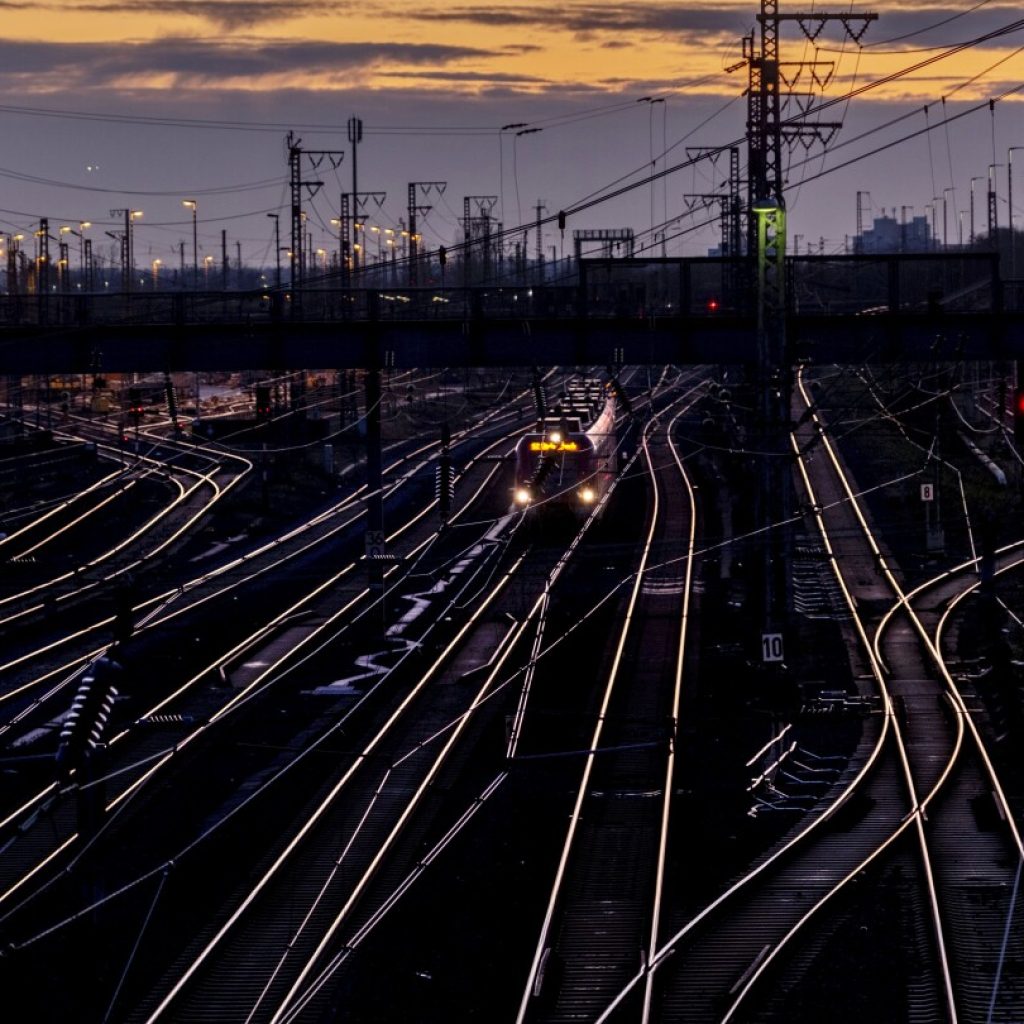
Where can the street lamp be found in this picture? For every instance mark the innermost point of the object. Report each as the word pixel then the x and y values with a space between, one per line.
pixel 66 229
pixel 337 223
pixel 86 253
pixel 157 263
pixel 127 247
pixel 945 241
pixel 133 215
pixel 191 204
pixel 207 260
pixel 978 177
pixel 358 247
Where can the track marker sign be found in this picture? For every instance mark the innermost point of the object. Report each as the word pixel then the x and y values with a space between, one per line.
pixel 374 543
pixel 927 492
pixel 771 647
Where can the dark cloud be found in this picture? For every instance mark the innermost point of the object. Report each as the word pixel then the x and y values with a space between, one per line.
pixel 96 65
pixel 588 18
pixel 932 25
pixel 466 76
pixel 225 13
pixel 938 26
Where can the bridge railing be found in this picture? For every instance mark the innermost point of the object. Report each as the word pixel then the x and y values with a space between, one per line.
pixel 710 286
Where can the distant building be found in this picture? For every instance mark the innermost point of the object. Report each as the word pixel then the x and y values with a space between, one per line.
pixel 889 235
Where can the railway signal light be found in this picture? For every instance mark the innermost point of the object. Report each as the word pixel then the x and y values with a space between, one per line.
pixel 442 255
pixel 135 404
pixel 262 403
pixel 82 732
pixel 1018 416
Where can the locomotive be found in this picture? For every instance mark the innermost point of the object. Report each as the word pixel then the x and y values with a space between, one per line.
pixel 571 458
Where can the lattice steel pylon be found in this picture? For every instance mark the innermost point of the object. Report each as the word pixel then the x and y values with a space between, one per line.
pixel 298 186
pixel 416 189
pixel 766 234
pixel 766 128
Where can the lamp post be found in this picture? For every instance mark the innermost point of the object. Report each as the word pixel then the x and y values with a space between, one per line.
pixel 157 263
pixel 191 204
pixel 376 230
pixel 337 223
pixel 945 239
pixel 86 253
pixel 277 248
pixel 127 246
pixel 358 248
pixel 390 242
pixel 978 177
pixel 130 219
pixel 935 227
pixel 66 229
pixel 207 260
pixel 1009 202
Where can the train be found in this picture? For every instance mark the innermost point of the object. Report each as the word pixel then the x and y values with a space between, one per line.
pixel 571 458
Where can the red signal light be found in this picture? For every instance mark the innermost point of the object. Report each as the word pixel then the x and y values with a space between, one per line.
pixel 712 305
pixel 1018 417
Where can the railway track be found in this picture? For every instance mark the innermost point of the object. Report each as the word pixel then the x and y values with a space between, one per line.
pixel 893 830
pixel 604 905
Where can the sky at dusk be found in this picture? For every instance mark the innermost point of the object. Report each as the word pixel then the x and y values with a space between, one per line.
pixel 435 82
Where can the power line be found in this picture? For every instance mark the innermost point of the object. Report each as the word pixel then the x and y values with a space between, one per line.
pixel 34 179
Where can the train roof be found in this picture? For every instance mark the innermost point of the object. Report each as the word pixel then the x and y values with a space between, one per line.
pixel 580 405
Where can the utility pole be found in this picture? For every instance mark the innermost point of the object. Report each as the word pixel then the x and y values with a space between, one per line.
pixel 277 249
pixel 993 216
pixel 345 240
pixel 482 206
pixel 299 186
pixel 772 377
pixel 43 268
pixel 540 209
pixel 1009 203
pixel 295 187
pixel 122 238
pixel 735 220
pixel 224 259
pixel 193 205
pixel 355 136
pixel 858 245
pixel 238 261
pixel 416 188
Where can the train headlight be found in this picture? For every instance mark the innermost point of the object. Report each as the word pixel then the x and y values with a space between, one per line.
pixel 522 496
pixel 587 495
